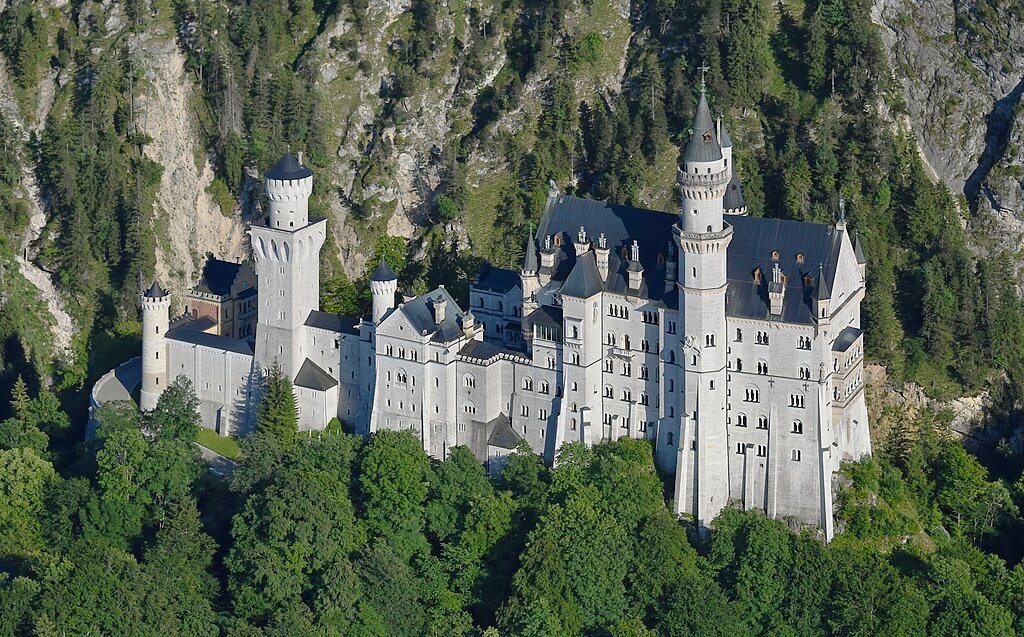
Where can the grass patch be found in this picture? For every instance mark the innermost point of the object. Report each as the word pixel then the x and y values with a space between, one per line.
pixel 482 201
pixel 225 446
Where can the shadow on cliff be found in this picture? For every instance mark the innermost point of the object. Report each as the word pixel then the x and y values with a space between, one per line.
pixel 997 137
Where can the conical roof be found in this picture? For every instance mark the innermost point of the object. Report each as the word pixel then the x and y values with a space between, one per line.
pixel 383 272
pixel 733 195
pixel 824 291
pixel 858 251
pixel 287 168
pixel 530 261
pixel 155 291
pixel 703 145
pixel 724 140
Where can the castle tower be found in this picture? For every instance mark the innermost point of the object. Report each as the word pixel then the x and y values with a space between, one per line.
pixel 287 253
pixel 725 142
pixel 383 285
pixel 156 305
pixel 529 277
pixel 703 238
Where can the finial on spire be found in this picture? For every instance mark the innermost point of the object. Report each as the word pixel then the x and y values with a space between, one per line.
pixel 842 208
pixel 634 252
pixel 583 235
pixel 703 68
pixel 602 242
pixel 547 242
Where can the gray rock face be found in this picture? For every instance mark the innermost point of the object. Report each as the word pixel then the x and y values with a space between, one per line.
pixel 960 64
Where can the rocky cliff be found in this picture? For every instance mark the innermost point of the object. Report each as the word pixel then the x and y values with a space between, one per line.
pixel 960 65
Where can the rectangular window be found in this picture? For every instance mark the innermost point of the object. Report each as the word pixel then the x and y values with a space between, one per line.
pixel 741 448
pixel 762 451
pixel 796 455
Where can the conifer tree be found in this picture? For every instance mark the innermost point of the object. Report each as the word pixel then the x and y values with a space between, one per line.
pixel 278 414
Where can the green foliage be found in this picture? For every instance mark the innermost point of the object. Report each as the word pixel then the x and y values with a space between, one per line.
pixel 277 416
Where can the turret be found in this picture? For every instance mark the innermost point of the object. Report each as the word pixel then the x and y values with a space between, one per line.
pixel 383 285
pixel 725 141
pixel 822 297
pixel 528 276
pixel 858 252
pixel 634 270
pixel 547 261
pixel 601 253
pixel 733 202
pixel 289 184
pixel 156 305
pixel 703 176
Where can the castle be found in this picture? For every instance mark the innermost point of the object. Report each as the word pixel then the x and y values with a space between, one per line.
pixel 732 343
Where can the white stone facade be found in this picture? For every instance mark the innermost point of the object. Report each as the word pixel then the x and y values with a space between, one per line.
pixel 731 343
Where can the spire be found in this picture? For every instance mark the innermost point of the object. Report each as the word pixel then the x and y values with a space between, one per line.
pixel 824 291
pixel 703 145
pixel 383 272
pixel 530 260
pixel 733 202
pixel 724 140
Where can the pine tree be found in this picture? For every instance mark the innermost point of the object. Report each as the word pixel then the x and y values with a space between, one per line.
pixel 19 396
pixel 278 414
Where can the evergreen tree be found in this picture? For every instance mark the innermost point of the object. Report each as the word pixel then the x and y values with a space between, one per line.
pixel 278 413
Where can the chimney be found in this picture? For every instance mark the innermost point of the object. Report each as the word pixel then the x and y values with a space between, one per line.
pixel 439 306
pixel 634 269
pixel 601 252
pixel 670 263
pixel 300 158
pixel 582 244
pixel 468 323
pixel 776 291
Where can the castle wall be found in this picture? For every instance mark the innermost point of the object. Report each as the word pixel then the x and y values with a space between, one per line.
pixel 223 381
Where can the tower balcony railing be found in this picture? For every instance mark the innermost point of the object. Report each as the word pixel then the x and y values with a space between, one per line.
pixel 621 352
pixel 702 179
pixel 705 236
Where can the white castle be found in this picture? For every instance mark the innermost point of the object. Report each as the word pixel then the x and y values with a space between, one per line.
pixel 731 343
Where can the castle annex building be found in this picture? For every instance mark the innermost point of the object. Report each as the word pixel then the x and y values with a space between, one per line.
pixel 732 343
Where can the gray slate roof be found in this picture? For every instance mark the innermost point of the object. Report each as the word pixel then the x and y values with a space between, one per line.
pixel 383 272
pixel 585 279
pixel 846 338
pixel 754 238
pixel 420 312
pixel 497 279
pixel 187 333
pixel 155 291
pixel 724 140
pixel 502 435
pixel 288 167
pixel 703 145
pixel 858 251
pixel 734 195
pixel 530 260
pixel 310 376
pixel 217 276
pixel 333 322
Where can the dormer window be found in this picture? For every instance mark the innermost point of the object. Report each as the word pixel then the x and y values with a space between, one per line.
pixel 775 255
pixel 558 240
pixel 808 281
pixel 707 137
pixel 757 275
pixel 799 257
pixel 661 259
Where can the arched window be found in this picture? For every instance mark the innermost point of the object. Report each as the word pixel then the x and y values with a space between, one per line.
pixel 575 332
pixel 469 407
pixel 668 438
pixel 468 381
pixel 544 387
pixel 798 427
pixel 575 386
pixel 575 358
pixel 741 420
pixel 626 394
pixel 608 391
pixel 762 422
pixel 528 383
pixel 739 364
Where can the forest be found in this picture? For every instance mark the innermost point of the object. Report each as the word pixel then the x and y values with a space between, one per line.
pixel 333 534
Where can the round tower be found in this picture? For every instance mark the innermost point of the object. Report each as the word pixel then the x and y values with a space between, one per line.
pixel 704 175
pixel 384 285
pixel 156 305
pixel 289 184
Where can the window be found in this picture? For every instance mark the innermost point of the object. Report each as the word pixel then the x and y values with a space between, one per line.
pixel 643 399
pixel 627 369
pixel 668 438
pixel 671 385
pixel 551 362
pixel 762 422
pixel 804 342
pixel 762 338
pixel 670 327
pixel 575 331
pixel 796 400
pixel 544 388
pixel 609 338
pixel 645 425
pixel 739 335
pixel 751 395
pixel 528 384
pixel 739 364
pixel 524 410
pixel 626 395
pixel 609 366
pixel 575 386
pixel 741 448
pixel 798 427
pixel 542 414
pixel 762 451
pixel 575 358
pixel 709 340
pixel 762 367
pixel 711 384
pixel 775 255
pixel 608 391
pixel 467 381
pixel 796 455
pixel 644 372
pixel 469 407
pixel 805 373
pixel 741 420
